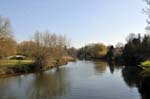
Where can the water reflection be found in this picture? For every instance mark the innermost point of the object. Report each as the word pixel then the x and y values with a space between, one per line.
pixel 39 86
pixel 81 80
pixel 46 85
pixel 114 66
pixel 132 77
pixel 100 66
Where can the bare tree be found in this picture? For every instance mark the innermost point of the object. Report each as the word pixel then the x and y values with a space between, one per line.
pixel 119 45
pixel 7 42
pixel 146 10
pixel 5 29
pixel 49 46
pixel 25 48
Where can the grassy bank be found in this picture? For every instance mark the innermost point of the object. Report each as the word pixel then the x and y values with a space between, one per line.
pixel 145 64
pixel 13 67
pixel 59 62
pixel 146 68
pixel 14 62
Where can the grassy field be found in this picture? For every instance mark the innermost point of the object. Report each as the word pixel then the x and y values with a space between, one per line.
pixel 14 62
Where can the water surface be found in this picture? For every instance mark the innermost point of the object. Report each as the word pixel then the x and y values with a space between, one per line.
pixel 79 80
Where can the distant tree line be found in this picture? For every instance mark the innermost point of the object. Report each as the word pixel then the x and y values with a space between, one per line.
pixel 45 46
pixel 92 51
pixel 136 50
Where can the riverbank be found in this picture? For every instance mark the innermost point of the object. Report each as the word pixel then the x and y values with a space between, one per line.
pixel 145 64
pixel 16 67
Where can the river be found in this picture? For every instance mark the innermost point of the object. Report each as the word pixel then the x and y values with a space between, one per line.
pixel 76 80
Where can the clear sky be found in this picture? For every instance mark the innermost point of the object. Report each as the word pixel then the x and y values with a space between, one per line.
pixel 82 21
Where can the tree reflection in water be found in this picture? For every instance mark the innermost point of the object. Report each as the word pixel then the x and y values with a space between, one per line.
pixel 78 80
pixel 113 66
pixel 100 66
pixel 48 86
pixel 39 86
pixel 133 78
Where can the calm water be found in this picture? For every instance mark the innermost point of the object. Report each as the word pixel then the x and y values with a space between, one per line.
pixel 79 80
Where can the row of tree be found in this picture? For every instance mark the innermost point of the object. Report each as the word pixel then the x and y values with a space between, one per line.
pixel 136 50
pixel 45 46
pixel 92 51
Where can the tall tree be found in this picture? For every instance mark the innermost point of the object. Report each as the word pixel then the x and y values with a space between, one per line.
pixel 5 28
pixel 146 10
pixel 49 46
pixel 7 42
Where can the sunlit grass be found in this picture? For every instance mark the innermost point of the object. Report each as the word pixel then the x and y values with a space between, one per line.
pixel 146 64
pixel 14 62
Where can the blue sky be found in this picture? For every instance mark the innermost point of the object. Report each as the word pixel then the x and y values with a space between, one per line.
pixel 82 21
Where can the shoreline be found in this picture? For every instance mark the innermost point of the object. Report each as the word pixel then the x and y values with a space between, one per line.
pixel 19 69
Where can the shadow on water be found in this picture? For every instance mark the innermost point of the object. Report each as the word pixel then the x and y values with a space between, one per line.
pixel 133 78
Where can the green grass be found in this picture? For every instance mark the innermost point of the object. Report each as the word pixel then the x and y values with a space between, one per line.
pixel 146 64
pixel 146 68
pixel 14 62
pixel 15 66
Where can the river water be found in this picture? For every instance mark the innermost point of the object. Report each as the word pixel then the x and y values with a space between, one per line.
pixel 76 80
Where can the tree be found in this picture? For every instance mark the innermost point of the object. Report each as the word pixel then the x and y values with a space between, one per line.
pixel 137 49
pixel 72 52
pixel 119 45
pixel 131 52
pixel 7 42
pixel 48 46
pixel 7 48
pixel 110 53
pixel 5 29
pixel 147 12
pixel 97 50
pixel 26 48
